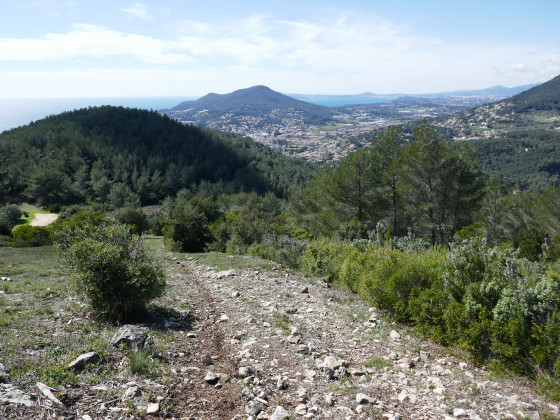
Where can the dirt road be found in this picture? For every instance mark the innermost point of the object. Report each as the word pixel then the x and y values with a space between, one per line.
pixel 44 219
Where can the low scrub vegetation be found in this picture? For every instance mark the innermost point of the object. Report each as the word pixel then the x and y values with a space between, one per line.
pixel 114 269
pixel 502 308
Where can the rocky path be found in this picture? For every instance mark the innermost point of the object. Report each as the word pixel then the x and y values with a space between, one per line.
pixel 272 345
pixel 264 343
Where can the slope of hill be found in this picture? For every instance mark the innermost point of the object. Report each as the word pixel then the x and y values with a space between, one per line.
pixel 251 102
pixel 517 138
pixel 266 340
pixel 107 153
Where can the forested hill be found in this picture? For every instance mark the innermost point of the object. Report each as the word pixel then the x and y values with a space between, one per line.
pixel 518 139
pixel 254 101
pixel 113 154
pixel 545 97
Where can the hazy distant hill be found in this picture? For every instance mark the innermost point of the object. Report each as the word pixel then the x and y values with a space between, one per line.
pixel 258 101
pixel 501 91
pixel 484 95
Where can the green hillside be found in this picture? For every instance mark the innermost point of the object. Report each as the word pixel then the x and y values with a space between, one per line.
pixel 114 154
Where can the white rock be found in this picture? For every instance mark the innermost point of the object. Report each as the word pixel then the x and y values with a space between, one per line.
pixel 152 408
pixel 311 374
pixel 460 413
pixel 364 399
pixel 394 335
pixel 245 371
pixel 211 377
pixel 131 393
pixel 280 414
pixel 11 394
pixel 301 409
pixel 333 362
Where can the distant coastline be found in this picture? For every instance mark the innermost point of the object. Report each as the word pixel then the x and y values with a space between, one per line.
pixel 17 112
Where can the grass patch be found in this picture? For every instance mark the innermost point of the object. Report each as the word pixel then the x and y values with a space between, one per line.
pixel 281 320
pixel 221 261
pixel 377 362
pixel 141 363
pixel 43 327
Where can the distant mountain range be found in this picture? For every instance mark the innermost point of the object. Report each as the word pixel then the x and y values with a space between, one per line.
pixel 263 102
pixel 493 93
pixel 260 100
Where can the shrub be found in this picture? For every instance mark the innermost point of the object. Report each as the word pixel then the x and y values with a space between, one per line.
pixel 135 218
pixel 27 235
pixel 5 240
pixel 282 249
pixel 82 225
pixel 9 217
pixel 114 271
pixel 189 231
pixel 324 258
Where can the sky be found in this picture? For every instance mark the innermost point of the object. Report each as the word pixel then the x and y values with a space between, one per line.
pixel 121 48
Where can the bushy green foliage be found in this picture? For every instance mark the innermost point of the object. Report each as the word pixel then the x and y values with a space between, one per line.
pixel 282 249
pixel 9 217
pixel 487 300
pixel 27 235
pixel 114 270
pixel 135 218
pixel 189 231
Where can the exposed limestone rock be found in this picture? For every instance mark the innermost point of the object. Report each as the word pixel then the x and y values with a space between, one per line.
pixel 81 361
pixel 133 337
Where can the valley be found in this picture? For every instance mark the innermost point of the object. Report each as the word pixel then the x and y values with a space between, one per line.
pixel 312 132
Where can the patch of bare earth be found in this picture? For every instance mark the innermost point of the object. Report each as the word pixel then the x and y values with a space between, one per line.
pixel 43 219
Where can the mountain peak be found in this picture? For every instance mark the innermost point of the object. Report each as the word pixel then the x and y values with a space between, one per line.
pixel 257 100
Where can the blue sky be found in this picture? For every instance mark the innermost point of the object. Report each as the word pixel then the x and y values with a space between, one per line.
pixel 75 48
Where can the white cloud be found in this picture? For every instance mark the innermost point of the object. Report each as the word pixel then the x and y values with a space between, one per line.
pixel 139 11
pixel 89 41
pixel 340 54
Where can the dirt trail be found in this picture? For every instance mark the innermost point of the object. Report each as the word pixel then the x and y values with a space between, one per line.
pixel 265 343
pixel 43 219
pixel 282 340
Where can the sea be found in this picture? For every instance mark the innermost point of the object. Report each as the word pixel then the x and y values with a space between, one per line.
pixel 335 102
pixel 17 112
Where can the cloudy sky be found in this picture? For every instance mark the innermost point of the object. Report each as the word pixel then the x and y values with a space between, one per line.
pixel 75 48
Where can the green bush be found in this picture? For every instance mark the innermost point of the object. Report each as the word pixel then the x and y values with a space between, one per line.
pixel 29 236
pixel 282 249
pixel 5 241
pixel 189 231
pixel 114 270
pixel 10 215
pixel 133 217
pixel 324 258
